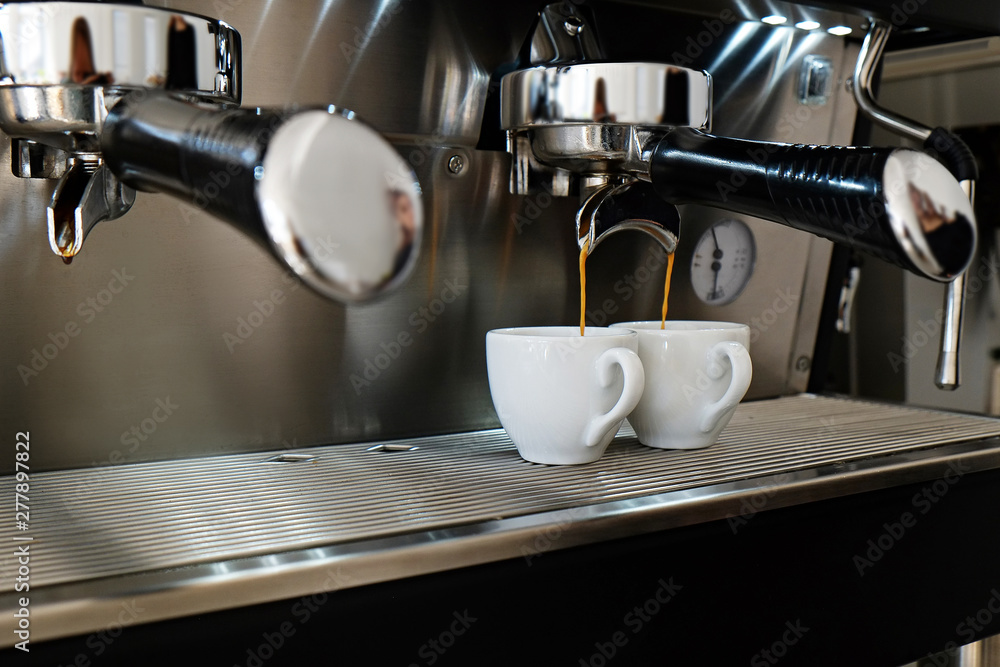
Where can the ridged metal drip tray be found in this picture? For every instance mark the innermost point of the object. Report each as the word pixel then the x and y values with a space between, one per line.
pixel 188 536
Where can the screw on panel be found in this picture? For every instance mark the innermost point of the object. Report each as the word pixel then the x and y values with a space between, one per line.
pixel 456 164
pixel 573 26
pixel 803 363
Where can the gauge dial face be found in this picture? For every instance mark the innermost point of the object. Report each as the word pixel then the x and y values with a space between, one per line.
pixel 723 262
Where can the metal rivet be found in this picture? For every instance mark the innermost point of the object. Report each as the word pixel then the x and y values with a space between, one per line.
pixel 456 164
pixel 573 26
pixel 803 363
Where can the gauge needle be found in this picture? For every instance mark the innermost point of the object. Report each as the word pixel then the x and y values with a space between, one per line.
pixel 716 266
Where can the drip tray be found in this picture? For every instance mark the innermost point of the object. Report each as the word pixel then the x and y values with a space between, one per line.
pixel 198 535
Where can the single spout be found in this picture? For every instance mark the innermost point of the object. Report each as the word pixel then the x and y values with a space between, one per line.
pixel 85 195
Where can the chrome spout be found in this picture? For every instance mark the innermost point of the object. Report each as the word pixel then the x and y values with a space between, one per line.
pixel 86 194
pixel 628 205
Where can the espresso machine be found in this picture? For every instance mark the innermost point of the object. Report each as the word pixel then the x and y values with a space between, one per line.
pixel 249 264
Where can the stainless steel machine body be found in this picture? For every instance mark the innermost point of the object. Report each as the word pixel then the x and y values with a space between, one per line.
pixel 167 307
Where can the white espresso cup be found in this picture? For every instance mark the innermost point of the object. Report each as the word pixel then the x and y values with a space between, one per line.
pixel 696 375
pixel 560 396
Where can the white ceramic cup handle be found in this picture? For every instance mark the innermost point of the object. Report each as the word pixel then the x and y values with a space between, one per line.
pixel 635 382
pixel 739 358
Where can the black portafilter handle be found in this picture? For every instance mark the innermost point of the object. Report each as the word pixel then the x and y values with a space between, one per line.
pixel 325 193
pixel 897 204
pixel 205 156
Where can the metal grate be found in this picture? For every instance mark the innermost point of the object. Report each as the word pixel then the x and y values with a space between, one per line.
pixel 109 521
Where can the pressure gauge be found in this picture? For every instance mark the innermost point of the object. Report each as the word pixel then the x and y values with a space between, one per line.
pixel 723 262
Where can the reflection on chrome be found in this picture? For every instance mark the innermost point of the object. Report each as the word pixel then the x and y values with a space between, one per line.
pixel 125 46
pixel 81 64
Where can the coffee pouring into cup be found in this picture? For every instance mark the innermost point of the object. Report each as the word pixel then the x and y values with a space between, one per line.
pixel 632 141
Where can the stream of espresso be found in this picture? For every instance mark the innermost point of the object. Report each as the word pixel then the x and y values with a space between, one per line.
pixel 666 290
pixel 583 287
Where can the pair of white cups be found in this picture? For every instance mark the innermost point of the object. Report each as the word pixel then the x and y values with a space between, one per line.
pixel 562 397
